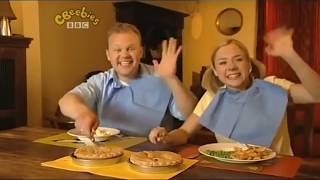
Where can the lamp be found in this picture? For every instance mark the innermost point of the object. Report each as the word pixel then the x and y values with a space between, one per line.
pixel 6 14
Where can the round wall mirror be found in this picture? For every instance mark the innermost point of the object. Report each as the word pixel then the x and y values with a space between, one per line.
pixel 229 21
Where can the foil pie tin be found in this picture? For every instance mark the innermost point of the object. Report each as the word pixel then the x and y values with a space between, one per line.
pixel 155 169
pixel 95 162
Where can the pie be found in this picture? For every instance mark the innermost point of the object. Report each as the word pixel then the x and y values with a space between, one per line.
pixel 98 152
pixel 155 158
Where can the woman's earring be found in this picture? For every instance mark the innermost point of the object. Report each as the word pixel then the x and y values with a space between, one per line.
pixel 250 70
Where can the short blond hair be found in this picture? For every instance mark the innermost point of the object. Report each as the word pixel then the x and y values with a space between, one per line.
pixel 123 28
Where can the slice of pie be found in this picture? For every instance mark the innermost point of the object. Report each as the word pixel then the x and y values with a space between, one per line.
pixel 155 158
pixel 98 152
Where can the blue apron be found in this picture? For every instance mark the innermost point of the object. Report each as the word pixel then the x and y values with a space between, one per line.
pixel 252 116
pixel 137 108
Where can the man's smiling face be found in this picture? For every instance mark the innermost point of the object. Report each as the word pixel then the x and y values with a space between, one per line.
pixel 125 53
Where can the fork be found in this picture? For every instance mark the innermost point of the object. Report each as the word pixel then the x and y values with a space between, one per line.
pixel 68 141
pixel 88 141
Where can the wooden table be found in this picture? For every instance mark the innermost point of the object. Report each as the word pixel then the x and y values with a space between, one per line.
pixel 20 158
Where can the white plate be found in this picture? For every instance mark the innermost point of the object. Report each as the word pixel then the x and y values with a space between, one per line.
pixel 230 147
pixel 107 133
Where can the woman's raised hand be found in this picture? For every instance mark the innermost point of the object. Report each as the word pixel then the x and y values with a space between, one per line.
pixel 279 42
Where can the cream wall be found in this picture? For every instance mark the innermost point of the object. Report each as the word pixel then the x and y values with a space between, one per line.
pixel 68 54
pixel 65 55
pixel 31 11
pixel 25 11
pixel 58 57
pixel 17 25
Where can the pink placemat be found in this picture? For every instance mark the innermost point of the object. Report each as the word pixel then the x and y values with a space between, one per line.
pixel 282 166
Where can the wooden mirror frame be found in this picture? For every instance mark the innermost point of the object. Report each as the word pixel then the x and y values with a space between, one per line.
pixel 222 26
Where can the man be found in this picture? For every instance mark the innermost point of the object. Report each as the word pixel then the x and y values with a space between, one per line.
pixel 132 96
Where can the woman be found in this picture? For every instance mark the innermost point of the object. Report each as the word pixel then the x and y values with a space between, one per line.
pixel 245 109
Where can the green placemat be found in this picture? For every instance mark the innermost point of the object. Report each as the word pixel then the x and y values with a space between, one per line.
pixel 60 140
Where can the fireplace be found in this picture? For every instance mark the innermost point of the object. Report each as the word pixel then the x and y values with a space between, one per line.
pixel 13 91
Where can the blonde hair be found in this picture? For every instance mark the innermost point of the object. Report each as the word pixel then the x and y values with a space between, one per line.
pixel 226 43
pixel 123 28
pixel 212 83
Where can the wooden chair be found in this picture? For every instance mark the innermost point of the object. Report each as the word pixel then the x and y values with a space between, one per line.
pixel 58 120
pixel 196 87
pixel 303 129
pixel 204 136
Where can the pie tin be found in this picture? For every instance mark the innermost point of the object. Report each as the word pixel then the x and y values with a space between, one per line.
pixel 95 162
pixel 156 169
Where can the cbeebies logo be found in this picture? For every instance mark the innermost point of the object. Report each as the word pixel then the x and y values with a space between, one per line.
pixel 65 17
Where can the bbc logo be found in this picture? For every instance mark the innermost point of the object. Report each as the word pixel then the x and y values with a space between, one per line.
pixel 77 25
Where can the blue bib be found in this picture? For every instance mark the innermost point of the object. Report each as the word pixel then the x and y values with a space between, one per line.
pixel 137 108
pixel 252 116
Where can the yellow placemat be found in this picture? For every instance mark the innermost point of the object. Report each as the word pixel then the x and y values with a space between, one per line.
pixel 120 170
pixel 123 142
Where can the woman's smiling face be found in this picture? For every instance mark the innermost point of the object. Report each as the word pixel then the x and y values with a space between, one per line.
pixel 233 67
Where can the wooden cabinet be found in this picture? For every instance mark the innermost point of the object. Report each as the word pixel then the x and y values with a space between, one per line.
pixel 155 24
pixel 13 90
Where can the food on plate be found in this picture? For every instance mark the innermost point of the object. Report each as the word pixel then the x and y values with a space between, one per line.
pixel 101 132
pixel 248 153
pixel 98 152
pixel 155 158
pixel 220 154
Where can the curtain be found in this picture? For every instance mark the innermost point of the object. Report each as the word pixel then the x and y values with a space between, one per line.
pixel 316 54
pixel 304 17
